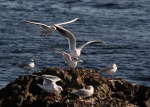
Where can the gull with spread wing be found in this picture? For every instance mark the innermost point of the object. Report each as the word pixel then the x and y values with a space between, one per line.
pixel 68 59
pixel 49 84
pixel 74 52
pixel 48 29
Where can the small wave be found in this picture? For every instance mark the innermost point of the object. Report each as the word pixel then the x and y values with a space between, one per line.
pixel 113 6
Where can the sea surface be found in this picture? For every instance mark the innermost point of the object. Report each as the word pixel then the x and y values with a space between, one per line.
pixel 123 24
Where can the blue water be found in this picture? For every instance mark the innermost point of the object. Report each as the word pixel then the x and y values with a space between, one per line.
pixel 123 24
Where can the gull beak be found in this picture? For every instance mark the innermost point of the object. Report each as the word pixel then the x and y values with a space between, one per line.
pixel 80 61
pixel 32 60
pixel 77 60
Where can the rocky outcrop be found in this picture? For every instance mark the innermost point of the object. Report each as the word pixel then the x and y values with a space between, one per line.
pixel 24 92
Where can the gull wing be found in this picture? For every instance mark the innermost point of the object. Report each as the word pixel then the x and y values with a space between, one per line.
pixel 106 69
pixel 51 77
pixel 67 56
pixel 81 92
pixel 90 42
pixel 67 22
pixel 68 35
pixel 22 65
pixel 44 26
pixel 47 81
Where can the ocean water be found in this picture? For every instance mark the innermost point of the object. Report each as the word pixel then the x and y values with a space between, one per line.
pixel 123 24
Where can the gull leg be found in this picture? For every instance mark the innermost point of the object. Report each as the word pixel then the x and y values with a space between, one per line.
pixel 109 76
pixel 50 97
pixel 27 73
pixel 41 35
pixel 86 100
pixel 44 35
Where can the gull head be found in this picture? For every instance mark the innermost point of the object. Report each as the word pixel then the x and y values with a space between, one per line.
pixel 32 60
pixel 90 87
pixel 80 60
pixel 77 60
pixel 114 66
pixel 60 88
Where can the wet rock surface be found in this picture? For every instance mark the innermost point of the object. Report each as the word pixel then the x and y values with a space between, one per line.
pixel 24 92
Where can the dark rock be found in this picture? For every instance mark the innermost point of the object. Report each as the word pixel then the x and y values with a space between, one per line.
pixel 24 92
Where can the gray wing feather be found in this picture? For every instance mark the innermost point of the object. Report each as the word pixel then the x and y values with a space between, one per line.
pixel 47 81
pixel 51 77
pixel 67 34
pixel 67 22
pixel 67 57
pixel 81 92
pixel 44 26
pixel 106 69
pixel 22 65
pixel 90 42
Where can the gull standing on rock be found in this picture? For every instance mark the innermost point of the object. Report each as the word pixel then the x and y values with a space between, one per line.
pixel 27 66
pixel 49 84
pixel 74 52
pixel 48 29
pixel 109 69
pixel 83 93
pixel 68 59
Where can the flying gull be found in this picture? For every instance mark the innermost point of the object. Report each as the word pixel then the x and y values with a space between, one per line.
pixel 48 29
pixel 74 52
pixel 68 59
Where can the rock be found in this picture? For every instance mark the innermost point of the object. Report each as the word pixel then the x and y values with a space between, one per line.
pixel 24 92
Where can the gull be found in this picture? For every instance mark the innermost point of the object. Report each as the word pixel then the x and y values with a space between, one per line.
pixel 68 59
pixel 49 84
pixel 27 66
pixel 109 69
pixel 74 52
pixel 48 29
pixel 83 93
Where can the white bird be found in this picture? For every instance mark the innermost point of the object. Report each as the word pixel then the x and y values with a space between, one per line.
pixel 109 69
pixel 49 84
pixel 74 52
pixel 48 29
pixel 83 93
pixel 68 59
pixel 27 66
